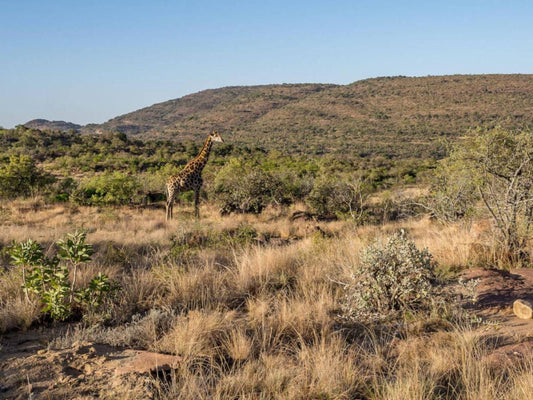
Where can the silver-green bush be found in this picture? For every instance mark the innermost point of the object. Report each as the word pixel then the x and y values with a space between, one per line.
pixel 392 278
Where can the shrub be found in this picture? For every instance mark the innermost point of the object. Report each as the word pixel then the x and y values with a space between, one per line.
pixel 453 194
pixel 62 189
pixel 392 278
pixel 494 167
pixel 92 297
pixel 21 177
pixel 343 197
pixel 46 280
pixel 107 189
pixel 243 187
pixel 49 282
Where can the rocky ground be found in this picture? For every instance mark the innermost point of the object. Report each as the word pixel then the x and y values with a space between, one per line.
pixel 495 293
pixel 82 371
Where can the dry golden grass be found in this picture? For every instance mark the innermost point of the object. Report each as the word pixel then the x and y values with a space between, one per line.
pixel 451 365
pixel 258 319
pixel 15 310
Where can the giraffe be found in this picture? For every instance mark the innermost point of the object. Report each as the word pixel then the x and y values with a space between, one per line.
pixel 190 177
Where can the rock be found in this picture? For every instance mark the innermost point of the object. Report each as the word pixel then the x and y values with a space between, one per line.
pixel 147 362
pixel 88 368
pixel 516 355
pixel 523 309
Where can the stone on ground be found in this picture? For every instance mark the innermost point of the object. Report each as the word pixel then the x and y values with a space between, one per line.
pixel 139 361
pixel 523 309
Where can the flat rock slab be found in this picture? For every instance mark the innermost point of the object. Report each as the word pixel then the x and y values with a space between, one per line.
pixel 142 362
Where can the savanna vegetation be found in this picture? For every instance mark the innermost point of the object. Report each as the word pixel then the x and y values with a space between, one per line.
pixel 307 277
pixel 112 169
pixel 259 306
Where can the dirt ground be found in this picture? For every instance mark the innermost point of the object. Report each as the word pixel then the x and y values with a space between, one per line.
pixel 30 370
pixel 84 371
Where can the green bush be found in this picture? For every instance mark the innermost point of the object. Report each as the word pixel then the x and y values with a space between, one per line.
pixel 332 194
pixel 246 188
pixel 21 177
pixel 46 280
pixel 107 189
pixel 92 297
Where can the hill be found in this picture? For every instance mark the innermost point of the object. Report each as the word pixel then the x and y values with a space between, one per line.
pixel 44 124
pixel 227 108
pixel 390 116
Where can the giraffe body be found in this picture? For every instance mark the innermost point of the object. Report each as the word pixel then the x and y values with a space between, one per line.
pixel 190 177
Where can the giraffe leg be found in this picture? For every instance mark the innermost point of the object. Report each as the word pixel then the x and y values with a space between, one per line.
pixel 169 210
pixel 170 203
pixel 196 203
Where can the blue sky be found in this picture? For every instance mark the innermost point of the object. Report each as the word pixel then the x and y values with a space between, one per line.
pixel 89 61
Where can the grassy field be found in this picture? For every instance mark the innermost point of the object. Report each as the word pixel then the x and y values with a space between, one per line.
pixel 253 306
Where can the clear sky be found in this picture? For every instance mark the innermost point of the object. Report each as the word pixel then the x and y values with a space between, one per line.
pixel 88 61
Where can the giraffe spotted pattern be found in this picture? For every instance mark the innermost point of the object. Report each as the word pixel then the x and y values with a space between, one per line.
pixel 190 177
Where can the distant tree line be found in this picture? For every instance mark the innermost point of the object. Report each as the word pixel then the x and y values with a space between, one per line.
pixel 112 169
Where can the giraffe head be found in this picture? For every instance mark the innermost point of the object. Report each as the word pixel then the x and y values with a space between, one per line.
pixel 215 137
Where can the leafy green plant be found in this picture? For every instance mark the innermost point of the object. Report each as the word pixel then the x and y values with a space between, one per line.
pixel 22 177
pixel 47 281
pixel 43 279
pixel 74 250
pixel 50 282
pixel 99 288
pixel 26 254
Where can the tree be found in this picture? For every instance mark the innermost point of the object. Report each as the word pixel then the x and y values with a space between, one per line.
pixel 339 195
pixel 244 187
pixel 453 192
pixel 107 189
pixel 495 168
pixel 21 177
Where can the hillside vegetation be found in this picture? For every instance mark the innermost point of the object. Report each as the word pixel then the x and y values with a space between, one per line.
pixel 44 124
pixel 381 116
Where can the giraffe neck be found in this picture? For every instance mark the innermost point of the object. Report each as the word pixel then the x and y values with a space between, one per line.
pixel 201 158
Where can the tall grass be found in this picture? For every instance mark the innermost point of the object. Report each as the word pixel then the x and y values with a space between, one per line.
pixel 259 320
